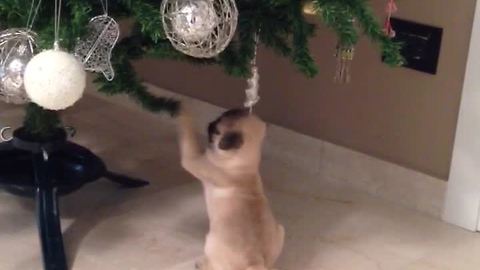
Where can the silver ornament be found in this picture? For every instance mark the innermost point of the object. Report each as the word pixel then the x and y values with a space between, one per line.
pixel 17 47
pixel 96 51
pixel 344 55
pixel 196 21
pixel 199 28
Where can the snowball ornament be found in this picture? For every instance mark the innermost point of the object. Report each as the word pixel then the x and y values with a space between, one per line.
pixel 55 79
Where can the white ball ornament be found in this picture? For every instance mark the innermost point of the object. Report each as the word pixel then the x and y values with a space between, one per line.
pixel 55 79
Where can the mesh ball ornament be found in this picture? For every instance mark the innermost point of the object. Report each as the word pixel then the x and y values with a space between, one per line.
pixel 55 79
pixel 199 28
pixel 17 47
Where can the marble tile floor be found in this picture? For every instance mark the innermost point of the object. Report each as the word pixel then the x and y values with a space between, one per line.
pixel 163 226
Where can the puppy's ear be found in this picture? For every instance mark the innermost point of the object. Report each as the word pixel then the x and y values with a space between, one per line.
pixel 231 141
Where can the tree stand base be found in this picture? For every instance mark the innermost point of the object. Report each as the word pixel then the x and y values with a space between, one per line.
pixel 45 170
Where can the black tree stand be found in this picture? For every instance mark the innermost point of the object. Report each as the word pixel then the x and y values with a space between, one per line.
pixel 45 171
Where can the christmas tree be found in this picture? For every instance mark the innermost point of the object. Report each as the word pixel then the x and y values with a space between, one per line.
pixel 284 29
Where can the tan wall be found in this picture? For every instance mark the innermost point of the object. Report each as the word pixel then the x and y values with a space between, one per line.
pixel 399 115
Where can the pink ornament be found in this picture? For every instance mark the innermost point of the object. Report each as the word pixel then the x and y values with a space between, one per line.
pixel 390 9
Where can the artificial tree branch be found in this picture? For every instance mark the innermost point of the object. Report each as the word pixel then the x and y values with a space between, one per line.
pixel 283 30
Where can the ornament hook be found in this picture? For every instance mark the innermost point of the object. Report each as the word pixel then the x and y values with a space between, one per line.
pixel 2 134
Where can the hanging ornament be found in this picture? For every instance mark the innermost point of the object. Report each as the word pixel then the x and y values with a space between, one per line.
pixel 95 52
pixel 55 79
pixel 344 55
pixel 390 10
pixel 252 97
pixel 196 21
pixel 17 47
pixel 199 28
pixel 309 8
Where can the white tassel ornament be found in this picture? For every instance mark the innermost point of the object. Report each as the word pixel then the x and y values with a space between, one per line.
pixel 252 97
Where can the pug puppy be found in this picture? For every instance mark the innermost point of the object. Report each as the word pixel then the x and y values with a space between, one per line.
pixel 244 234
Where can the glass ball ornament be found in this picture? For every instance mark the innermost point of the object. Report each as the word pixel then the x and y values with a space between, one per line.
pixel 199 28
pixel 17 48
pixel 55 80
pixel 195 21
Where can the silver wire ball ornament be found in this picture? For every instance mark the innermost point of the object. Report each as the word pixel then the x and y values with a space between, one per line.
pixel 199 28
pixel 17 48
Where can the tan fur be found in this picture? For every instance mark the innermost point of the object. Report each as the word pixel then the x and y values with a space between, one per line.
pixel 244 234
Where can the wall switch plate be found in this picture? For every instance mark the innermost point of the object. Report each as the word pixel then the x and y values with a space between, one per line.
pixel 421 44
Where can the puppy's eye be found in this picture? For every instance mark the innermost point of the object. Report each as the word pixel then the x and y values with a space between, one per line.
pixel 231 141
pixel 213 130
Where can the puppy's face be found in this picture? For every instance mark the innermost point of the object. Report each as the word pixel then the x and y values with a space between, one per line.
pixel 236 131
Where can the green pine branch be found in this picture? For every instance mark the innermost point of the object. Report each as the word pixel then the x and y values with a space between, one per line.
pixel 343 16
pixel 302 31
pixel 282 25
pixel 390 50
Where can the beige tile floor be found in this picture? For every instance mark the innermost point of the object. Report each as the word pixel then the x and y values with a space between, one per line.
pixel 163 226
